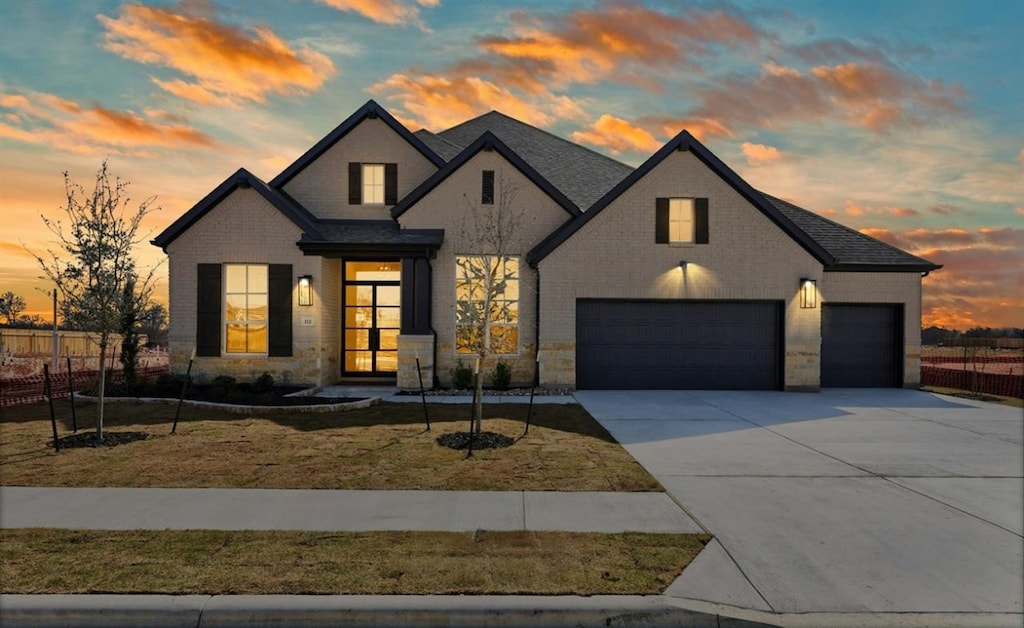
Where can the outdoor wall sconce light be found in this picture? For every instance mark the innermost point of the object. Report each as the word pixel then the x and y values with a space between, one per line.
pixel 808 293
pixel 683 263
pixel 306 290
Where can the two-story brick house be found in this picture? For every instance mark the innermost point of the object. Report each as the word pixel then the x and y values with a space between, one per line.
pixel 676 274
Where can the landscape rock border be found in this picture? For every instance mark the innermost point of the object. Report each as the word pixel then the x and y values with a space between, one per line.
pixel 241 409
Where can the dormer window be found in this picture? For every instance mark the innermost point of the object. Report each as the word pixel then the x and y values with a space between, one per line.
pixel 681 221
pixel 372 184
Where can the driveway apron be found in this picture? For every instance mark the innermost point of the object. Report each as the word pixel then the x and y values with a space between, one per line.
pixel 844 501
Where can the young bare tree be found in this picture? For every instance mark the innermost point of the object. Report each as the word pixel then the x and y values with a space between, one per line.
pixel 11 306
pixel 484 312
pixel 93 266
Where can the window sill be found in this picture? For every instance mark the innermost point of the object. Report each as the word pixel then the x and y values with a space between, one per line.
pixel 682 245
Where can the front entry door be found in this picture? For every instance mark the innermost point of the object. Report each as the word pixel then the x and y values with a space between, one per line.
pixel 372 317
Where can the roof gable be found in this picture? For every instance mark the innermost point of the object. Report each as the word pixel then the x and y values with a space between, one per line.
pixel 683 142
pixel 242 178
pixel 487 141
pixel 580 173
pixel 370 110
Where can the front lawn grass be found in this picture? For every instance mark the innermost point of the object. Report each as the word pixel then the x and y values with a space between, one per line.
pixel 218 562
pixel 381 447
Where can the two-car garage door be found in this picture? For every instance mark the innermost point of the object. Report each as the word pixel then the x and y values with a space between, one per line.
pixel 728 345
pixel 698 345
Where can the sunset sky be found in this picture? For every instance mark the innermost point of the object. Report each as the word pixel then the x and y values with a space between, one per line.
pixel 904 120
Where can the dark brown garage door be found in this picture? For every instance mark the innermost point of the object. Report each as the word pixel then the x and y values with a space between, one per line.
pixel 861 345
pixel 696 345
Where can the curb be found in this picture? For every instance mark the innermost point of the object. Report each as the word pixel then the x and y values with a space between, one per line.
pixel 202 611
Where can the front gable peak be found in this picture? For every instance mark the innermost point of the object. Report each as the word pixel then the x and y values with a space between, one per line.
pixel 685 142
pixel 369 111
pixel 241 179
pixel 486 142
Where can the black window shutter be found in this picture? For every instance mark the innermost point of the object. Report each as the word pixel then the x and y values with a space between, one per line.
pixel 700 220
pixel 390 184
pixel 661 221
pixel 208 304
pixel 487 188
pixel 355 183
pixel 279 328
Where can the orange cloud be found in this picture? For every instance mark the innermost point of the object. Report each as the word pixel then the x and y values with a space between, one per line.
pixel 588 45
pixel 389 12
pixel 617 136
pixel 52 121
pixel 1019 211
pixel 903 212
pixel 226 64
pixel 980 283
pixel 853 209
pixel 1020 156
pixel 760 154
pixel 868 95
pixel 700 128
pixel 437 102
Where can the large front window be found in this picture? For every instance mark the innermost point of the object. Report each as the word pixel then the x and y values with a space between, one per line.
pixel 487 303
pixel 245 288
pixel 373 184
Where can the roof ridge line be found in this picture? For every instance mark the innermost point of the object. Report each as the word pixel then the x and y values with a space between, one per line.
pixel 545 131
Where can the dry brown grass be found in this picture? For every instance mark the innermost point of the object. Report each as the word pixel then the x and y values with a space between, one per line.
pixel 382 447
pixel 217 562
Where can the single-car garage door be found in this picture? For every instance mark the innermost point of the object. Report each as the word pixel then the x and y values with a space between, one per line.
pixel 697 345
pixel 861 345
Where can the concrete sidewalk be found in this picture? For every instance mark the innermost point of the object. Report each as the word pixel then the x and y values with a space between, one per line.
pixel 338 510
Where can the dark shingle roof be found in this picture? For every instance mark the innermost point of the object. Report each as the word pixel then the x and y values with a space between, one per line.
pixel 851 249
pixel 581 174
pixel 445 149
pixel 381 237
pixel 374 232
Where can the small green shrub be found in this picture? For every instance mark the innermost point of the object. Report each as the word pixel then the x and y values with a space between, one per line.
pixel 225 381
pixel 502 376
pixel 264 383
pixel 222 386
pixel 462 376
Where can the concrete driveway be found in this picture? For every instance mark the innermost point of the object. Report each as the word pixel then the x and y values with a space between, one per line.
pixel 844 501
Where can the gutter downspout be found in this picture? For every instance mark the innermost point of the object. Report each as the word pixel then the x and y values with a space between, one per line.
pixel 536 341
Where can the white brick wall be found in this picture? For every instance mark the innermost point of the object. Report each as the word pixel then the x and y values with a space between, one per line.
pixel 322 187
pixel 447 208
pixel 245 228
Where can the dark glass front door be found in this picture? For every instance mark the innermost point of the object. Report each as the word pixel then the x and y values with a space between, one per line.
pixel 372 317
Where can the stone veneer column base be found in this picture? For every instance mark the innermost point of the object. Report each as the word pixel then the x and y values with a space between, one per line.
pixel 409 347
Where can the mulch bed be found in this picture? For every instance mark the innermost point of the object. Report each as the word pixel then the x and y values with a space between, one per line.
pixel 483 440
pixel 110 439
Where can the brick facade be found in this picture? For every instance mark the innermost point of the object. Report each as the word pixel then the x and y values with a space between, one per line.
pixel 615 256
